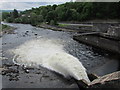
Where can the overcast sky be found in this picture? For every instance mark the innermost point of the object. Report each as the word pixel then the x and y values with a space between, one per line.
pixel 27 4
pixel 23 5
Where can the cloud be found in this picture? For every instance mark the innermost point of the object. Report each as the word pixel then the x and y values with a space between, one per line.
pixel 35 0
pixel 59 0
pixel 24 5
pixel 27 4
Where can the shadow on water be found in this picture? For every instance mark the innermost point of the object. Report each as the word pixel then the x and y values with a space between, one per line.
pixel 110 66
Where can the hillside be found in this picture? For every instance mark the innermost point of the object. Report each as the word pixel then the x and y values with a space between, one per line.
pixel 72 11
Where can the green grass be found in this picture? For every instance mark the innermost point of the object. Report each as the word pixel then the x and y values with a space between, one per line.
pixel 62 25
pixel 4 27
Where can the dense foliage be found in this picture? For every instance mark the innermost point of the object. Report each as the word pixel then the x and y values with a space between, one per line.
pixel 72 11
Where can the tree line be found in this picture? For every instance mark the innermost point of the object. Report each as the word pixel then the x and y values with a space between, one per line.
pixel 70 11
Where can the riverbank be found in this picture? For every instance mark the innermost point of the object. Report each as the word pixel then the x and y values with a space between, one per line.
pixel 5 29
pixel 82 27
pixel 56 28
pixel 69 27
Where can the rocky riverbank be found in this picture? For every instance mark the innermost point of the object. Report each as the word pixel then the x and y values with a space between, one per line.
pixel 5 29
pixel 82 27
pixel 56 28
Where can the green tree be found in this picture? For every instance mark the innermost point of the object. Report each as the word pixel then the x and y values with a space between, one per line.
pixel 61 13
pixel 33 19
pixel 54 6
pixel 53 22
pixel 5 15
pixel 51 16
pixel 15 13
pixel 40 18
pixel 71 11
pixel 9 19
pixel 86 13
pixel 25 20
pixel 18 20
pixel 44 12
pixel 75 15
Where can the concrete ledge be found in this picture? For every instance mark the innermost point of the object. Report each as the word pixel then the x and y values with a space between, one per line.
pixel 107 81
pixel 100 40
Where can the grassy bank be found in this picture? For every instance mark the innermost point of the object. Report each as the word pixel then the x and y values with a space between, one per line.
pixel 6 29
pixel 60 27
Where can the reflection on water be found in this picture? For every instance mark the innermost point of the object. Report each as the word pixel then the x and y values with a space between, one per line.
pixel 112 65
pixel 108 67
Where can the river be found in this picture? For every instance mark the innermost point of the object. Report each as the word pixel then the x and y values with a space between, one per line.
pixel 94 60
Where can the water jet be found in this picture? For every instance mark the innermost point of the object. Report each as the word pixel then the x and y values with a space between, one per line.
pixel 50 54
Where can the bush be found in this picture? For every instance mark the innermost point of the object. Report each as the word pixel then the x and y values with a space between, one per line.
pixel 18 20
pixel 9 20
pixel 53 22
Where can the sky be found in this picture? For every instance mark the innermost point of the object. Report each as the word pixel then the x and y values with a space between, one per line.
pixel 23 5
pixel 27 4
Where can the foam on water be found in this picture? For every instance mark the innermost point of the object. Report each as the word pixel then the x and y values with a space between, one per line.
pixel 51 55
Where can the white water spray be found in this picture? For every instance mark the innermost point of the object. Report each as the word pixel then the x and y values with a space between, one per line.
pixel 51 55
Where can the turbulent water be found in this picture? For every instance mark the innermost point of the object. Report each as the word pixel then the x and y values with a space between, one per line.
pixel 51 55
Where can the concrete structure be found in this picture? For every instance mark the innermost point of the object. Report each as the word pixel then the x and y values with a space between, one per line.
pixel 108 41
pixel 99 41
pixel 107 81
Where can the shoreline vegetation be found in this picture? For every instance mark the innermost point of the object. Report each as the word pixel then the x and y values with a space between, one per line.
pixel 5 29
pixel 67 12
pixel 76 26
pixel 60 27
